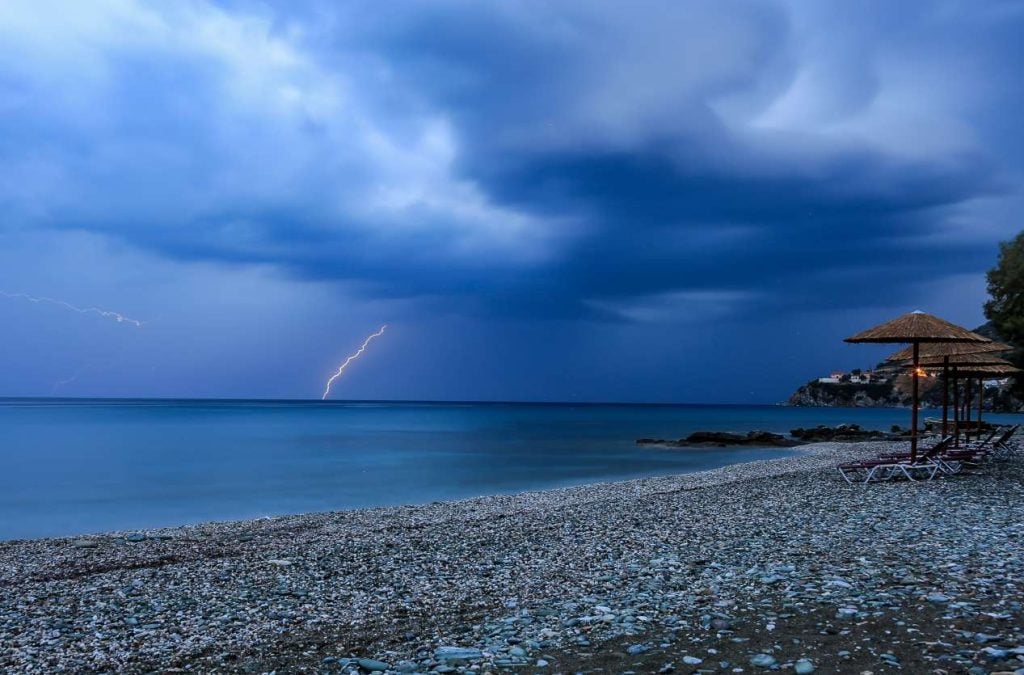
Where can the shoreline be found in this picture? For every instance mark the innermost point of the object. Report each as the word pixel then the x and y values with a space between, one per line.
pixel 157 532
pixel 170 530
pixel 513 580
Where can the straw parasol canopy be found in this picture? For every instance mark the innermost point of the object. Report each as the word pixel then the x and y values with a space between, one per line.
pixel 962 360
pixel 995 370
pixel 950 349
pixel 966 366
pixel 947 354
pixel 917 328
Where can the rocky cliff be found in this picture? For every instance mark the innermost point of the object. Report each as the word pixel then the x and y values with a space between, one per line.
pixel 893 392
pixel 816 394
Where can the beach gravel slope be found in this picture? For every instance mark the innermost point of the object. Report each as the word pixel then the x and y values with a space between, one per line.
pixel 766 565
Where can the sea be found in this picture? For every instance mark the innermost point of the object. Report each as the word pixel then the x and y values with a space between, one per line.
pixel 77 466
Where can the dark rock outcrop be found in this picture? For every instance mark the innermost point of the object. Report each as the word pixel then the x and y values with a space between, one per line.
pixel 842 433
pixel 723 439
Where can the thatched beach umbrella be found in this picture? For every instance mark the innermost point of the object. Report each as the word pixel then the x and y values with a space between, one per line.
pixel 946 350
pixel 981 366
pixel 939 349
pixel 916 328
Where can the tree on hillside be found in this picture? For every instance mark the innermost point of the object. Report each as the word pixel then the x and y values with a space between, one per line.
pixel 1006 286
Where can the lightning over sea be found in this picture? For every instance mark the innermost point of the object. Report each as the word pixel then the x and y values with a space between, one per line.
pixel 350 359
pixel 105 313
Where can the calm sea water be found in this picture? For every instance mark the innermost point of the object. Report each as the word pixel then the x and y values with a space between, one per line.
pixel 77 466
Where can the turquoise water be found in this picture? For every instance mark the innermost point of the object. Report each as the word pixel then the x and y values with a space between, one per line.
pixel 77 466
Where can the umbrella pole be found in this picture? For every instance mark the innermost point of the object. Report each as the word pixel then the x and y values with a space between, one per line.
pixel 956 409
pixel 981 401
pixel 945 396
pixel 913 413
pixel 968 399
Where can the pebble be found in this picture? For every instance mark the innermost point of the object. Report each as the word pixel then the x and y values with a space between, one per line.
pixel 372 665
pixel 458 653
pixel 549 572
pixel 763 660
pixel 803 667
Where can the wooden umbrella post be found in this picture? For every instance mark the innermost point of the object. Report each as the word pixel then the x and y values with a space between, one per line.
pixel 913 414
pixel 945 396
pixel 956 409
pixel 968 398
pixel 981 400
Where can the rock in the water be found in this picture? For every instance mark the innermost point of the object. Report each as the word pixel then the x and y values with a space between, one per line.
pixel 723 439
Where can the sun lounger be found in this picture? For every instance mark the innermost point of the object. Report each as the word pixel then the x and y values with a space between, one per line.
pixel 888 467
pixel 1003 446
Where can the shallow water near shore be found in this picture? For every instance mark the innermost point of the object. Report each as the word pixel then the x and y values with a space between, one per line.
pixel 78 466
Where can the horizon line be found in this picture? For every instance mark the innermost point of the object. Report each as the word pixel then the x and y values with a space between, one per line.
pixel 318 401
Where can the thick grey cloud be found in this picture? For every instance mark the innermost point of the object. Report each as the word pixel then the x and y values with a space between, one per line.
pixel 636 160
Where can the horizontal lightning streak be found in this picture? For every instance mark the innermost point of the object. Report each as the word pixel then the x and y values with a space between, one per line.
pixel 353 357
pixel 107 314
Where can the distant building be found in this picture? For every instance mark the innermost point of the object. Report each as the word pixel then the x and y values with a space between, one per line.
pixel 839 377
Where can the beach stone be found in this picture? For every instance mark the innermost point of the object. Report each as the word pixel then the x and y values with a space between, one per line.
pixel 692 660
pixel 372 665
pixel 459 653
pixel 763 660
pixel 542 663
pixel 937 598
pixel 637 649
pixel 803 667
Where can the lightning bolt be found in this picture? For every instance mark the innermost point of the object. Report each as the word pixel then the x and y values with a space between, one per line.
pixel 107 314
pixel 343 366
pixel 60 383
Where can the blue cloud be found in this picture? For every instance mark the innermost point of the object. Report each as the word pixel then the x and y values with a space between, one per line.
pixel 584 159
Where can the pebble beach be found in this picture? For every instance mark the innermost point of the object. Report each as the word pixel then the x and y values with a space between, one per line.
pixel 764 566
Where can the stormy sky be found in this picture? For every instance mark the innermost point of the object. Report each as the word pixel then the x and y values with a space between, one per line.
pixel 670 201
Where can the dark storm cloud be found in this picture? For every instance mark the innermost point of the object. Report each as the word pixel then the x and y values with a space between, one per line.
pixel 594 159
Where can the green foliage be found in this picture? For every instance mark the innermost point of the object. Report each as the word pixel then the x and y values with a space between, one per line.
pixel 1005 309
pixel 1006 286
